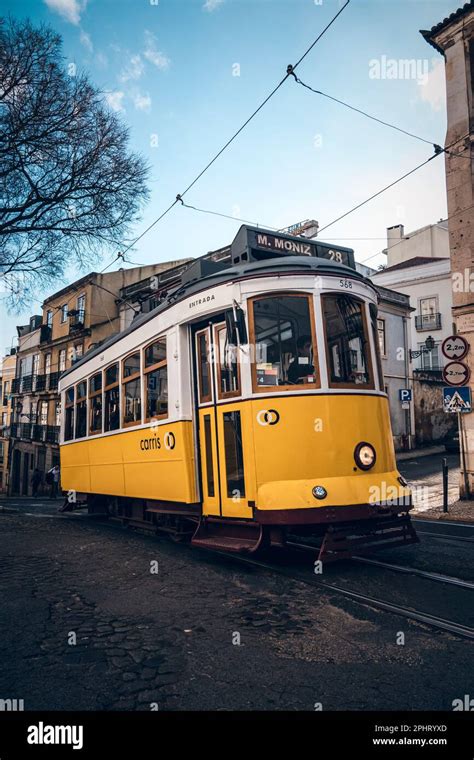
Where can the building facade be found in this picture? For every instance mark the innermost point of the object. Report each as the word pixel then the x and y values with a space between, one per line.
pixel 7 375
pixel 426 280
pixel 454 39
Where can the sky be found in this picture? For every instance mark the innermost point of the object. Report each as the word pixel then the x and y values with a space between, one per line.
pixel 185 74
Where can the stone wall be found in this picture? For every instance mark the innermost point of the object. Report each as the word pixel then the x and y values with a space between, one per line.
pixel 431 422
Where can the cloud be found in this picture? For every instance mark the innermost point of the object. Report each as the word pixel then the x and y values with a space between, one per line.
pixel 133 70
pixel 114 100
pixel 141 102
pixel 85 40
pixel 434 90
pixel 212 5
pixel 70 10
pixel 158 59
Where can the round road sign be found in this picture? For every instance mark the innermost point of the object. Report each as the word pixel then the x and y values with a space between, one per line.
pixel 456 373
pixel 455 347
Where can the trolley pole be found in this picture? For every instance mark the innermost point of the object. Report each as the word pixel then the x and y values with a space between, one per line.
pixel 445 484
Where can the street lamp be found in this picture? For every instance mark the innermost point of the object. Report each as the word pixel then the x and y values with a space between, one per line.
pixel 426 349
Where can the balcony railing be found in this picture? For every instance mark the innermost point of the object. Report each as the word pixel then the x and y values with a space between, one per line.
pixel 428 322
pixel 35 383
pixel 30 431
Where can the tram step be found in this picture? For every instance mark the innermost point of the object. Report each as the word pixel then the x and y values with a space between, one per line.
pixel 343 542
pixel 234 537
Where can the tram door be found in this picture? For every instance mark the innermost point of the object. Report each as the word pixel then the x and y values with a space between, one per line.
pixel 221 419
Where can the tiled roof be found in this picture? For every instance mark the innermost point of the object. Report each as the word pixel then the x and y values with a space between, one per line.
pixel 455 16
pixel 414 262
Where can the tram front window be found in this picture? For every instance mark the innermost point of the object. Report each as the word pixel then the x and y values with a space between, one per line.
pixel 346 341
pixel 284 341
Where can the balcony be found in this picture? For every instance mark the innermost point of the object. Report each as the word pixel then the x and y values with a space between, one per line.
pixel 35 383
pixel 76 320
pixel 428 322
pixel 45 333
pixel 30 431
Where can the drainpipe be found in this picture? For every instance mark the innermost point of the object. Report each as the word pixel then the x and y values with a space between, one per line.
pixel 407 381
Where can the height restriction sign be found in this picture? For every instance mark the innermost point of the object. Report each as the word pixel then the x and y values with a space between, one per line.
pixel 456 373
pixel 455 347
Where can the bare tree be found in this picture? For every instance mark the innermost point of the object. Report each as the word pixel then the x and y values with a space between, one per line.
pixel 69 185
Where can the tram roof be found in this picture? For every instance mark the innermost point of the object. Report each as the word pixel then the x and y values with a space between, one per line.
pixel 220 277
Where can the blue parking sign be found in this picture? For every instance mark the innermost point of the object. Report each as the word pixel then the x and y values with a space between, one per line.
pixel 404 394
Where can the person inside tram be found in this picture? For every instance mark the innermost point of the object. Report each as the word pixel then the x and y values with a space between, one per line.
pixel 301 366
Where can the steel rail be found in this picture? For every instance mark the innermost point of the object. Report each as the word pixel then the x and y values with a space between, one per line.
pixel 438 577
pixel 421 617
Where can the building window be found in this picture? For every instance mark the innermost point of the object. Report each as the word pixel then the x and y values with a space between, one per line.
pixel 64 311
pixel 49 318
pixel 22 367
pixel 381 336
pixel 284 342
pixel 111 398
pixel 36 361
pixel 62 360
pixel 429 317
pixel 69 421
pixel 43 413
pixel 57 414
pixel 47 364
pixel 347 342
pixel 81 308
pixel 156 380
pixel 131 390
pixel 4 419
pixel 430 360
pixel 95 404
pixel 81 410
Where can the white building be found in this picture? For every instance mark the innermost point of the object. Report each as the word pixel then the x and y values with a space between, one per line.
pixel 419 265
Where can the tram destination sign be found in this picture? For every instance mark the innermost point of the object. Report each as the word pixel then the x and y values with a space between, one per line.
pixel 264 244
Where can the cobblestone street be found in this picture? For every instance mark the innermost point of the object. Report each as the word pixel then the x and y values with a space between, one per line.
pixel 169 640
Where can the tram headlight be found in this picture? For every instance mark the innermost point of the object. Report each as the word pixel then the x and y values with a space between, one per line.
pixel 364 455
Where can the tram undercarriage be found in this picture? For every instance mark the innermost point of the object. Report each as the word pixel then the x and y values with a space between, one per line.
pixel 376 527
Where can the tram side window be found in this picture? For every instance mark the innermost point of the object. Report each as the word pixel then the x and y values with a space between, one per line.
pixel 81 410
pixel 156 380
pixel 111 398
pixel 228 366
pixel 284 343
pixel 346 341
pixel 69 416
pixel 95 403
pixel 132 402
pixel 375 334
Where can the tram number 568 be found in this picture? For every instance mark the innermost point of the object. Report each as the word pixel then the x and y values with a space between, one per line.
pixel 347 284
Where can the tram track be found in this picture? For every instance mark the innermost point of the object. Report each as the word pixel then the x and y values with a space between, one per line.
pixel 456 523
pixel 410 613
pixel 426 618
pixel 445 536
pixel 437 577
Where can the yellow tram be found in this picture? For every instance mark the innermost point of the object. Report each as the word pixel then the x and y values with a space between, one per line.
pixel 249 403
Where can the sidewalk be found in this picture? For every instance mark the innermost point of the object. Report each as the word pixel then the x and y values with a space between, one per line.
pixel 416 453
pixel 459 511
